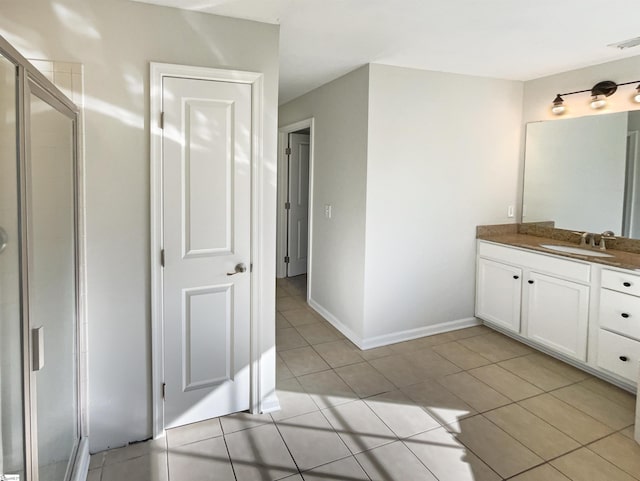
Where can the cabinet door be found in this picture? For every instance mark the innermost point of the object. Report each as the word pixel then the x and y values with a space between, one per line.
pixel 557 314
pixel 498 292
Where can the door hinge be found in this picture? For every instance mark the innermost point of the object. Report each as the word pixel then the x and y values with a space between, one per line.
pixel 162 257
pixel 287 151
pixel 162 120
pixel 287 205
pixel 164 390
pixel 286 259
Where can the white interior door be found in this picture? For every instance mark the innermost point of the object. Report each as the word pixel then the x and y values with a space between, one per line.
pixel 206 234
pixel 298 218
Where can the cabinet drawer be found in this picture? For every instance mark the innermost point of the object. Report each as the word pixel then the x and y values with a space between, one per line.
pixel 540 262
pixel 619 355
pixel 621 282
pixel 620 313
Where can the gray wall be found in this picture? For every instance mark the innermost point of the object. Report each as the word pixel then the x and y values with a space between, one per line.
pixel 442 158
pixel 339 179
pixel 115 40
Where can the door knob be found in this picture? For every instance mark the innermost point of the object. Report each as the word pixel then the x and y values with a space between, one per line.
pixel 240 268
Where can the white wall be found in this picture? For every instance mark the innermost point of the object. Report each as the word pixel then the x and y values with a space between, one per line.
pixel 115 40
pixel 442 158
pixel 340 175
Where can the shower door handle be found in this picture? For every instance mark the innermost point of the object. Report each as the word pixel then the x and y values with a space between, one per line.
pixel 4 240
pixel 37 343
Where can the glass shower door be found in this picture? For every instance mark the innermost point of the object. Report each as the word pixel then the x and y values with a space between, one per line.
pixel 12 455
pixel 52 283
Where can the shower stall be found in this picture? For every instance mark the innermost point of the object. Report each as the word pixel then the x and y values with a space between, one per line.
pixel 41 433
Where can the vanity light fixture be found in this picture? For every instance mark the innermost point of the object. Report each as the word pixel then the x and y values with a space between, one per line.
pixel 599 93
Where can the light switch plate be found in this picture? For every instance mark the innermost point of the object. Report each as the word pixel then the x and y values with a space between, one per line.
pixel 327 211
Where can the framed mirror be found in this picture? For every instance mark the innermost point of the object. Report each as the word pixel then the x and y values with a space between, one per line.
pixel 583 173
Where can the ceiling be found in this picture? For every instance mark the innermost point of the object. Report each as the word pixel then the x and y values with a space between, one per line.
pixel 321 40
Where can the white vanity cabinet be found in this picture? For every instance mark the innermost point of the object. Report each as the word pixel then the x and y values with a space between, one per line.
pixel 619 322
pixel 587 314
pixel 540 297
pixel 499 290
pixel 557 314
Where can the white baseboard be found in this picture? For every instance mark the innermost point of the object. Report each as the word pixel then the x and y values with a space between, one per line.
pixel 394 337
pixel 333 320
pixel 270 404
pixel 409 334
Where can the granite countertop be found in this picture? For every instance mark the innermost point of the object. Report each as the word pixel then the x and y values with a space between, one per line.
pixel 621 259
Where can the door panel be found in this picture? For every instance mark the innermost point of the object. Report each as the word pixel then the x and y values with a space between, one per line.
pixel 499 293
pixel 11 400
pixel 52 284
pixel 558 314
pixel 298 220
pixel 208 162
pixel 206 214
pixel 205 366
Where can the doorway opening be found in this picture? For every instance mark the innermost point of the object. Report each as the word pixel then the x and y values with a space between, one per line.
pixel 295 210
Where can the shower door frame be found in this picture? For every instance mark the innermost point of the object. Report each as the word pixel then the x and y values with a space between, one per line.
pixel 30 81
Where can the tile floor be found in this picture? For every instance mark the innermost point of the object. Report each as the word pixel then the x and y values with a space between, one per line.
pixel 468 405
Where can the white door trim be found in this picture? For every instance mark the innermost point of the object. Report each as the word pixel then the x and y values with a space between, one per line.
pixel 157 72
pixel 281 246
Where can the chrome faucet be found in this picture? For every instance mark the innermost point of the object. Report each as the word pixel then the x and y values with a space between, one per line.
pixel 605 235
pixel 583 238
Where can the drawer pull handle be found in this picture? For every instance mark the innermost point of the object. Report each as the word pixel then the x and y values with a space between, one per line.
pixel 626 284
pixel 624 358
pixel 516 277
pixel 530 282
pixel 625 315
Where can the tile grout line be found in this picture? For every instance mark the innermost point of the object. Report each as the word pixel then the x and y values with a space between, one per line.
pixel 287 446
pixel 507 434
pixel 605 459
pixel 567 434
pixel 226 446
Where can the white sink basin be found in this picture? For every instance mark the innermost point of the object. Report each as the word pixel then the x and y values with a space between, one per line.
pixel 575 250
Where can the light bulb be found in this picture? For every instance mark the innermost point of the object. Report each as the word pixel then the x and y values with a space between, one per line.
pixel 598 102
pixel 558 106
